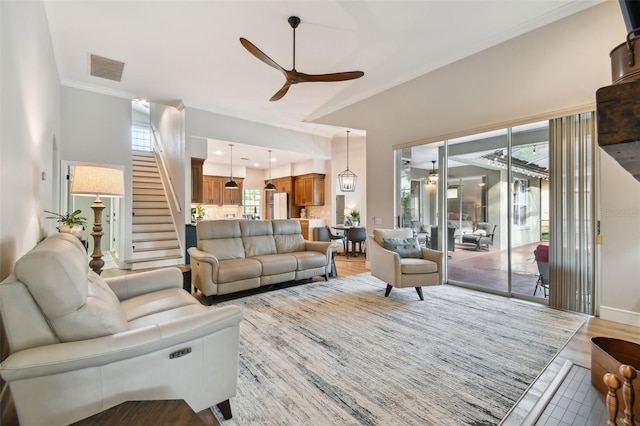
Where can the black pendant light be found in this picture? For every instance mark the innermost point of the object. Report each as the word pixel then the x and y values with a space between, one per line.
pixel 347 178
pixel 270 186
pixel 231 184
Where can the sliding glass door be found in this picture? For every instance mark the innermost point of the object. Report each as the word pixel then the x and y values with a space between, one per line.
pixel 477 213
pixel 490 192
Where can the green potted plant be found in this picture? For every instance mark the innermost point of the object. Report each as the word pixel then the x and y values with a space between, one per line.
pixel 197 213
pixel 355 216
pixel 71 223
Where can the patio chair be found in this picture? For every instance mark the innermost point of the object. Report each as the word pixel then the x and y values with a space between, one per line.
pixel 482 236
pixel 541 254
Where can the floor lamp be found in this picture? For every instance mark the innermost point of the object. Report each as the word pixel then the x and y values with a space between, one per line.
pixel 101 181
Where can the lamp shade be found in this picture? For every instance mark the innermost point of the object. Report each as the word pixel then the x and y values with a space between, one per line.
pixel 270 187
pixel 95 179
pixel 231 184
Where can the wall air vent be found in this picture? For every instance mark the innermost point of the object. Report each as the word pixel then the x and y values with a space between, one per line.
pixel 106 68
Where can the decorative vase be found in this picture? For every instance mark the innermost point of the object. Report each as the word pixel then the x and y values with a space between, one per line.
pixel 76 230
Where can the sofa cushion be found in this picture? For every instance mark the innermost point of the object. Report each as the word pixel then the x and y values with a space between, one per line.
pixel 417 266
pixel 77 302
pixel 288 236
pixel 220 238
pixel 379 234
pixel 405 247
pixel 277 263
pixel 309 260
pixel 238 269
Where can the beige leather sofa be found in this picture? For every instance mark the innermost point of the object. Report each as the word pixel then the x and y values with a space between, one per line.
pixel 236 255
pixel 80 344
pixel 398 271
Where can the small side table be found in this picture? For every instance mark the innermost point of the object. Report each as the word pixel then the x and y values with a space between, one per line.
pixel 157 413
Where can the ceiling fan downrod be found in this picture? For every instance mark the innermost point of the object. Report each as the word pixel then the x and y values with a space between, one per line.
pixel 294 21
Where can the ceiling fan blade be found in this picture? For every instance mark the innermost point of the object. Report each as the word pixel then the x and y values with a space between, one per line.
pixel 260 54
pixel 280 93
pixel 338 76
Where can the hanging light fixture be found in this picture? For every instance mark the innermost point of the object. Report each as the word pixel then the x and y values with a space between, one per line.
pixel 231 184
pixel 270 186
pixel 433 175
pixel 347 178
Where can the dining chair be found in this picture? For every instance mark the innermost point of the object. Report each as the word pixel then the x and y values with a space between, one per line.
pixel 357 236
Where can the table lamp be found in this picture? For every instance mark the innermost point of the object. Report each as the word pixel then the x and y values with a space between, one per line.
pixel 101 181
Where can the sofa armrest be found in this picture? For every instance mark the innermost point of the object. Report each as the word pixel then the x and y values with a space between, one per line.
pixel 131 285
pixel 434 256
pixel 321 246
pixel 70 356
pixel 203 256
pixel 385 264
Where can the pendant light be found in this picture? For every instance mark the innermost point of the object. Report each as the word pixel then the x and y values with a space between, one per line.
pixel 231 184
pixel 270 186
pixel 433 175
pixel 347 178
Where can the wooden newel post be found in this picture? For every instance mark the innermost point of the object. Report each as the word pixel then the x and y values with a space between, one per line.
pixel 613 383
pixel 628 394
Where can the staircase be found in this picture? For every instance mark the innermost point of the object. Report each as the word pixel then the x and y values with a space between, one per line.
pixel 155 241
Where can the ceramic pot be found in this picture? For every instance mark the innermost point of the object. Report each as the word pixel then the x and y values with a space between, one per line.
pixel 76 230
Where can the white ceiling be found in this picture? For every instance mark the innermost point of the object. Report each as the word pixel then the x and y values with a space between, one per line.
pixel 188 52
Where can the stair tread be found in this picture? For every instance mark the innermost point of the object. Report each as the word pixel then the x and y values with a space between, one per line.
pixel 149 239
pixel 151 259
pixel 140 250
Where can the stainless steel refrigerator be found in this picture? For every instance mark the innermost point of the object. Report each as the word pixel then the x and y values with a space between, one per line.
pixel 281 206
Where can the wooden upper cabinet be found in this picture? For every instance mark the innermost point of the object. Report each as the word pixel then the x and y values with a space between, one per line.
pixel 196 180
pixel 232 197
pixel 309 190
pixel 212 193
pixel 283 184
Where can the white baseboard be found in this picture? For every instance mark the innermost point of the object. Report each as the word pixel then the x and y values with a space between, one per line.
pixel 619 315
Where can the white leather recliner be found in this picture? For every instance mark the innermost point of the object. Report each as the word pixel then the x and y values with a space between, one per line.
pixel 80 344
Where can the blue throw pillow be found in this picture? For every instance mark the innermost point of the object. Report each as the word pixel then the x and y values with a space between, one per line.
pixel 405 247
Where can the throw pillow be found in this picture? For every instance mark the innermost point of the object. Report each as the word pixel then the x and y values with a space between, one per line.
pixel 405 247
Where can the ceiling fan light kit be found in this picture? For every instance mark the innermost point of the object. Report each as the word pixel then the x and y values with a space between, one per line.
pixel 292 76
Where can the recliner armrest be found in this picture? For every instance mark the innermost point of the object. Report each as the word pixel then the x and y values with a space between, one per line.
pixel 63 357
pixel 131 285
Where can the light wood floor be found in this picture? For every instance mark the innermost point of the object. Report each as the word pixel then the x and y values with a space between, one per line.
pixel 578 350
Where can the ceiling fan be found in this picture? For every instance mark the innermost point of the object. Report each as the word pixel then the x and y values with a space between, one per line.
pixel 292 76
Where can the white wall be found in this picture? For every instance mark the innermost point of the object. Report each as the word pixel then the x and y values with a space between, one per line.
pixel 357 164
pixel 96 128
pixel 30 130
pixel 167 123
pixel 546 73
pixel 620 249
pixel 542 73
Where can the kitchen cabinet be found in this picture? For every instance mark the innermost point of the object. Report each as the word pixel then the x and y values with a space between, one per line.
pixel 232 197
pixel 212 190
pixel 215 194
pixel 283 184
pixel 196 180
pixel 309 190
pixel 304 229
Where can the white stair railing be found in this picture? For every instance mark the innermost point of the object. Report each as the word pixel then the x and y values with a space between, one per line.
pixel 164 172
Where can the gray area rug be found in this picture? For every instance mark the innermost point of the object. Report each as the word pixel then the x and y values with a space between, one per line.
pixel 340 353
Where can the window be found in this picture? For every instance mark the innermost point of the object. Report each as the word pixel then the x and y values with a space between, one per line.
pixel 520 201
pixel 251 203
pixel 140 138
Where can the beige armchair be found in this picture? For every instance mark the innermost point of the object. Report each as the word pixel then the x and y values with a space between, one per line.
pixel 414 267
pixel 79 344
